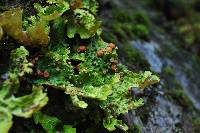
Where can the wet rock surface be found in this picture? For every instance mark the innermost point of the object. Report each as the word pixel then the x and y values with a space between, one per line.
pixel 148 49
pixel 177 98
pixel 164 117
pixel 181 67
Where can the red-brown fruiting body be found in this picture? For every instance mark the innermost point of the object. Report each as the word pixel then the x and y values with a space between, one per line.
pixel 114 68
pixel 112 45
pixel 109 49
pixel 100 53
pixel 82 49
pixel 33 61
pixel 46 74
pixel 40 73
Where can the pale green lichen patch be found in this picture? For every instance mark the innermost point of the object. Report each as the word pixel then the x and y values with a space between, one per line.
pixel 84 24
pixel 77 61
pixel 23 106
pixel 95 79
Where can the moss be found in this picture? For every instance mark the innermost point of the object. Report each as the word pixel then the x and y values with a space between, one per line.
pixel 179 96
pixel 196 61
pixel 196 124
pixel 141 31
pixel 127 25
pixel 187 30
pixel 175 92
pixel 171 9
pixel 136 129
pixel 134 59
pixel 108 37
pixel 141 18
pixel 169 51
pixel 168 70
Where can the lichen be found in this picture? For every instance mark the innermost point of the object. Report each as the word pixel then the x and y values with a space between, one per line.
pixel 84 24
pixel 23 106
pixel 52 124
pixel 77 61
pixel 37 32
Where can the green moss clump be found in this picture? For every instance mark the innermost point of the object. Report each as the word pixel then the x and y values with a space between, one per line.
pixel 196 124
pixel 177 94
pixel 188 31
pixel 182 98
pixel 127 25
pixel 141 31
pixel 134 59
pixel 196 61
pixel 168 70
pixel 136 129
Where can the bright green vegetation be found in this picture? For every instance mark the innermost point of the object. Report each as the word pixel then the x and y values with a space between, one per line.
pixel 50 123
pixel 23 106
pixel 72 58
